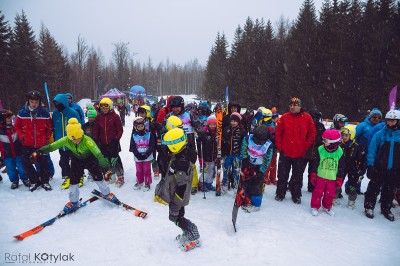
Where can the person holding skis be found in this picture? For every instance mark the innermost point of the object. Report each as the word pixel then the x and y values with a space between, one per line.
pixel 257 153
pixel 60 119
pixel 142 146
pixel 175 188
pixel 327 171
pixel 383 166
pixel 11 150
pixel 84 155
pixel 295 133
pixel 34 128
pixel 107 133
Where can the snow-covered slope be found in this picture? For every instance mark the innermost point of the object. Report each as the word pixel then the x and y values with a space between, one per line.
pixel 281 233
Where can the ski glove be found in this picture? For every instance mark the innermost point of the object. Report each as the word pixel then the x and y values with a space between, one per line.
pixel 35 156
pixel 339 182
pixel 313 178
pixel 371 173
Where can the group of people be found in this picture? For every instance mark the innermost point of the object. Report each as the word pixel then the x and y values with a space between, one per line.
pixel 169 140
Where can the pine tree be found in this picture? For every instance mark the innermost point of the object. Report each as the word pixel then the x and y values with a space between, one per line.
pixel 5 81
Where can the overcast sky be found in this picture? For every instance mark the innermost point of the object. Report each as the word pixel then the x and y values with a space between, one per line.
pixel 180 30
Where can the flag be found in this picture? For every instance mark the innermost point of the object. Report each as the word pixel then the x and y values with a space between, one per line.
pixel 392 98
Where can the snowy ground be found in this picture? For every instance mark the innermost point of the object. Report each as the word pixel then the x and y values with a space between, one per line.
pixel 281 233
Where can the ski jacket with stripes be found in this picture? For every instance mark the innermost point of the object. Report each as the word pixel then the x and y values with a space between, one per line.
pixel 10 145
pixel 295 133
pixel 232 139
pixel 384 149
pixel 34 128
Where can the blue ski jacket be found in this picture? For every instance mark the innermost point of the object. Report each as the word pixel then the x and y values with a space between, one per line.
pixel 384 149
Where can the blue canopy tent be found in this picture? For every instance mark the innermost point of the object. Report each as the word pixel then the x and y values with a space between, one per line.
pixel 137 92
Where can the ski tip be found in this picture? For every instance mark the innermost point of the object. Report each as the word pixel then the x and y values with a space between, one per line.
pixel 140 214
pixel 19 238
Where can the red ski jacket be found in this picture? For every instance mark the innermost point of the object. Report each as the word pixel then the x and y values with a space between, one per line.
pixel 107 127
pixel 295 133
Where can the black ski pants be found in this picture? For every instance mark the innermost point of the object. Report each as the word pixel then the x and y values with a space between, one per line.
pixel 296 181
pixel 36 177
pixel 79 165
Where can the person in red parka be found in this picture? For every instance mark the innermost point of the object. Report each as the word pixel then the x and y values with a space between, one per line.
pixel 107 132
pixel 295 133
pixel 164 111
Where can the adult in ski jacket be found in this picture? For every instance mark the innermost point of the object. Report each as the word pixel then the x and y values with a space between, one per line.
pixel 295 133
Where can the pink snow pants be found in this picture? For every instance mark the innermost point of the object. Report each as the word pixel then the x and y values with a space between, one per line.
pixel 323 188
pixel 143 172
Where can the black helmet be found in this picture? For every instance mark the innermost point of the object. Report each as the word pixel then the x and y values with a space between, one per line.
pixel 34 95
pixel 4 114
pixel 178 101
pixel 261 135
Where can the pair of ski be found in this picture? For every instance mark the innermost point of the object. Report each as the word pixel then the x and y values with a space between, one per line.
pixel 96 196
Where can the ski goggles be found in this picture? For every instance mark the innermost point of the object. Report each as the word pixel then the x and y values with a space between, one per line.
pixel 172 142
pixel 343 119
pixel 331 141
pixel 105 105
pixel 344 130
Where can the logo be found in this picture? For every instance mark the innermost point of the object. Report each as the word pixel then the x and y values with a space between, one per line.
pixel 37 257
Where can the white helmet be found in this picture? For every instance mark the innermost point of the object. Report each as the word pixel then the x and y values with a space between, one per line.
pixel 393 114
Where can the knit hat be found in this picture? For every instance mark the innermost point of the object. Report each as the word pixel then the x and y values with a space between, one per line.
pixel 375 111
pixel 296 101
pixel 74 130
pixel 91 113
pixel 236 117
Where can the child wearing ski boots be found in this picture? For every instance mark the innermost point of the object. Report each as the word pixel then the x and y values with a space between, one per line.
pixel 142 146
pixel 175 188
pixel 107 132
pixel 84 155
pixel 232 138
pixel 11 150
pixel 209 148
pixel 327 172
pixel 383 166
pixel 257 153
pixel 34 128
pixel 353 156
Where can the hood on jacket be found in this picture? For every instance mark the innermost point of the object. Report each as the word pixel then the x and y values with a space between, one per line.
pixel 70 95
pixel 61 98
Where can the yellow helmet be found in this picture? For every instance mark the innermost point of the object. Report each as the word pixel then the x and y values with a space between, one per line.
pixel 267 114
pixel 106 101
pixel 175 139
pixel 348 130
pixel 145 108
pixel 173 122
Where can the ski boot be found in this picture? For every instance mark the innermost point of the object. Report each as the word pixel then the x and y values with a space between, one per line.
pixel 336 202
pixel 190 244
pixel 15 185
pixel 81 181
pixel 47 187
pixel 388 215
pixel 66 183
pixel 120 181
pixel 111 197
pixel 146 188
pixel 182 238
pixel 369 213
pixel 296 200
pixel 330 211
pixel 251 208
pixel 26 183
pixel 137 186
pixel 33 187
pixel 70 207
pixel 351 204
pixel 314 212
pixel 279 197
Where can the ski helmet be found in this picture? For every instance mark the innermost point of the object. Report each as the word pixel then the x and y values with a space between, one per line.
pixel 34 95
pixel 331 139
pixel 211 120
pixel 106 101
pixel 349 130
pixel 393 114
pixel 339 118
pixel 175 139
pixel 261 135
pixel 145 109
pixel 4 114
pixel 173 122
pixel 138 121
pixel 178 101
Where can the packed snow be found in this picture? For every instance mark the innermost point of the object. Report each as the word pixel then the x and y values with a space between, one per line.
pixel 281 233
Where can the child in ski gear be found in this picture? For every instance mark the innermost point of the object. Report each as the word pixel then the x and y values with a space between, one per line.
pixel 11 150
pixel 310 154
pixel 60 119
pixel 175 188
pixel 84 155
pixel 209 145
pixel 383 166
pixel 327 172
pixel 256 152
pixel 107 133
pixel 34 128
pixel 142 146
pixel 88 129
pixel 190 125
pixel 295 133
pixel 232 138
pixel 352 153
pixel 232 108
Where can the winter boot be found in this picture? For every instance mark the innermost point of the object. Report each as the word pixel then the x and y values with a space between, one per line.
pixel 47 187
pixel 314 212
pixel 15 185
pixel 120 181
pixel 351 204
pixel 70 207
pixel 251 208
pixel 137 186
pixel 388 215
pixel 81 181
pixel 26 183
pixel 33 187
pixel 66 183
pixel 369 213
pixel 330 211
pixel 279 197
pixel 296 200
pixel 146 188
